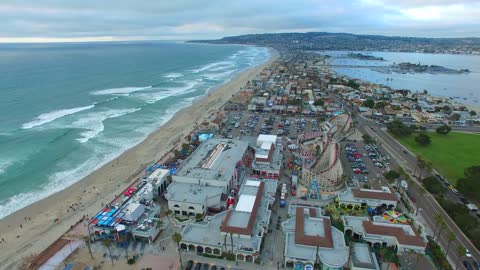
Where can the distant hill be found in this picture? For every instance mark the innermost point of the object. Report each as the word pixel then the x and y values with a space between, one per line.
pixel 352 42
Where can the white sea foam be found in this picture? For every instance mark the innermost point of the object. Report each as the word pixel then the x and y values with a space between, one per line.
pixel 93 123
pixel 61 180
pixel 4 164
pixel 57 182
pixel 218 75
pixel 211 65
pixel 123 91
pixel 173 75
pixel 51 116
pixel 152 97
pixel 222 67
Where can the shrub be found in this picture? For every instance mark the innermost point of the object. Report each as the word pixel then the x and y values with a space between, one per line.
pixel 423 139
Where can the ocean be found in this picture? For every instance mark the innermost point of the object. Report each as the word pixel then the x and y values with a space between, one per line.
pixel 67 109
pixel 463 88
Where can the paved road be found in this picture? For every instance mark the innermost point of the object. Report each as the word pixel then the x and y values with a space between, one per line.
pixel 432 127
pixel 424 201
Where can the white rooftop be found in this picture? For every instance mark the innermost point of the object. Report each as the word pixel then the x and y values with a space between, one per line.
pixel 253 183
pixel 262 138
pixel 245 203
pixel 159 173
pixel 266 145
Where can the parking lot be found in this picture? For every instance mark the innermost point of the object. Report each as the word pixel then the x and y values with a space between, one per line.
pixel 364 164
pixel 254 123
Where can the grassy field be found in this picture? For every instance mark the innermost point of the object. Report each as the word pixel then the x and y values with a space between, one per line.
pixel 449 154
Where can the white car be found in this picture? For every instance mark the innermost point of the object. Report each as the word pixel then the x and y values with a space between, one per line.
pixel 467 253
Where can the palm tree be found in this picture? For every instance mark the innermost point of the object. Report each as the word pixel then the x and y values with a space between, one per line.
pixel 225 242
pixel 122 239
pixel 108 243
pixel 450 237
pixel 420 164
pixel 428 167
pixel 438 220
pixel 177 238
pixel 231 241
pixel 87 241
pixel 442 226
pixel 159 224
pixel 461 251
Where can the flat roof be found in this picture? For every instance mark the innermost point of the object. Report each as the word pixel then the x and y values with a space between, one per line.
pixel 312 231
pixel 159 173
pixel 275 159
pixel 254 183
pixel 245 203
pixel 239 219
pixel 226 227
pixel 214 160
pixel 362 256
pixel 266 138
pixel 315 231
pixel 212 232
pixel 191 193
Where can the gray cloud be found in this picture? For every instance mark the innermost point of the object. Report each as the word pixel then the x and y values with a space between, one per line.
pixel 183 19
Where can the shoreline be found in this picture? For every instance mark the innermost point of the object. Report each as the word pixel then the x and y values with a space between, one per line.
pixel 468 106
pixel 31 229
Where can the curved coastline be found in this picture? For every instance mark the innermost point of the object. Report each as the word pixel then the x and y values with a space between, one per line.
pixel 47 219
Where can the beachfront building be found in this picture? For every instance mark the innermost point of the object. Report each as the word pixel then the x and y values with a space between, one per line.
pixel 191 199
pixel 372 198
pixel 378 233
pixel 207 177
pixel 159 181
pixel 216 162
pixel 134 211
pixel 310 239
pixel 240 230
pixel 268 157
pixel 147 225
pixel 257 103
pixel 362 258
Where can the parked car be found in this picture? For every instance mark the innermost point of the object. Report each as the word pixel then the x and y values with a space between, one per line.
pixel 467 253
pixel 464 201
pixel 467 265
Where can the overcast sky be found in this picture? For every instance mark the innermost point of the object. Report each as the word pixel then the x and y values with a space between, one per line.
pixel 85 20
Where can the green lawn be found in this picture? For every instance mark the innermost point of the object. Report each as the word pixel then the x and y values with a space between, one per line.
pixel 449 154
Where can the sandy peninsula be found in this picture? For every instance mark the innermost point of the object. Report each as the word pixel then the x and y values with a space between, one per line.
pixel 30 230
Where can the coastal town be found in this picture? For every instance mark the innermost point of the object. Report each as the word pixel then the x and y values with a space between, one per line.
pixel 290 173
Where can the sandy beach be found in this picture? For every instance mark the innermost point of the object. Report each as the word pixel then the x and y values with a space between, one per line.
pixel 28 231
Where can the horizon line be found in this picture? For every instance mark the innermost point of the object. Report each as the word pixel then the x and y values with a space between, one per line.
pixel 90 39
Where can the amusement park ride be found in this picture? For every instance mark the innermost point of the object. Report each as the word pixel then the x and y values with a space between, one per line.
pixel 313 190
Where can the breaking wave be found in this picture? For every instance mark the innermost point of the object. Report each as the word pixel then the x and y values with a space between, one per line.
pixel 51 116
